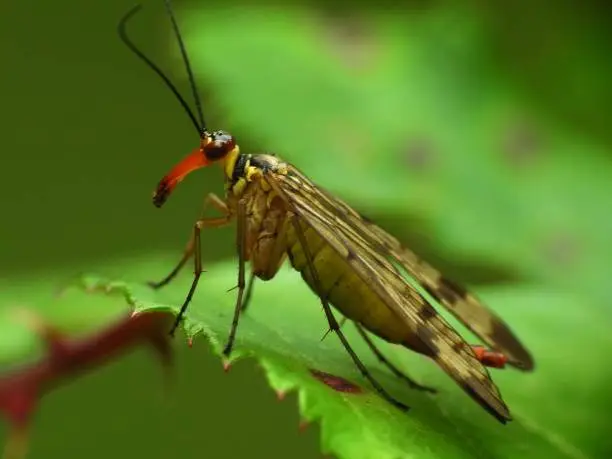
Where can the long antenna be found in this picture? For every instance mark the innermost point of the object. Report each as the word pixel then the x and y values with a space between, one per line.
pixel 192 83
pixel 126 40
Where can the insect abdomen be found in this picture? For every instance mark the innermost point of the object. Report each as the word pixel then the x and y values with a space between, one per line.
pixel 342 287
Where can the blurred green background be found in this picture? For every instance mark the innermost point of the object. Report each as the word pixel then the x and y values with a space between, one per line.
pixel 88 132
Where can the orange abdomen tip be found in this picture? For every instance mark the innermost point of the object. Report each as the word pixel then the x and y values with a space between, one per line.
pixel 489 358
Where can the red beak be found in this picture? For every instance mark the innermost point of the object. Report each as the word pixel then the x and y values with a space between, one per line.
pixel 195 160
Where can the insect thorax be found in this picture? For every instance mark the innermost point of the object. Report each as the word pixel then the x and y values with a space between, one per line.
pixel 247 168
pixel 264 214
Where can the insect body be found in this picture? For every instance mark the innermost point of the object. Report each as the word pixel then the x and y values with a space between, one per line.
pixel 348 261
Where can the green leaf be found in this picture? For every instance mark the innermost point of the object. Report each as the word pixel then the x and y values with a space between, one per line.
pixel 559 411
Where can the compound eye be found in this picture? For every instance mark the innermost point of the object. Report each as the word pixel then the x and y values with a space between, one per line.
pixel 221 143
pixel 221 137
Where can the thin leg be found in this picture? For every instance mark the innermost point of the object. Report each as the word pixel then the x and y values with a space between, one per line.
pixel 210 200
pixel 241 245
pixel 399 373
pixel 197 263
pixel 197 272
pixel 333 324
pixel 340 324
pixel 249 292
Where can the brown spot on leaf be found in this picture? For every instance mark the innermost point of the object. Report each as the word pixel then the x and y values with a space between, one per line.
pixel 336 382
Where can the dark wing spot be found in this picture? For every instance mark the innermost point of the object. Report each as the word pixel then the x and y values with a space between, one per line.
pixel 518 356
pixel 447 291
pixel 427 335
pixel 449 284
pixel 431 291
pixel 336 382
pixel 441 293
pixel 427 312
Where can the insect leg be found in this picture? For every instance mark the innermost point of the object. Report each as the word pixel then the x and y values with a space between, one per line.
pixel 333 324
pixel 340 324
pixel 399 373
pixel 197 262
pixel 249 292
pixel 210 200
pixel 241 222
pixel 381 357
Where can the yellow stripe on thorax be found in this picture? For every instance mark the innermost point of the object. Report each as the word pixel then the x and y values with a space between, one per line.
pixel 251 173
pixel 229 162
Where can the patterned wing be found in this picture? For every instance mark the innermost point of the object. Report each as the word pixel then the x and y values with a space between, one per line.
pixel 465 306
pixel 370 260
